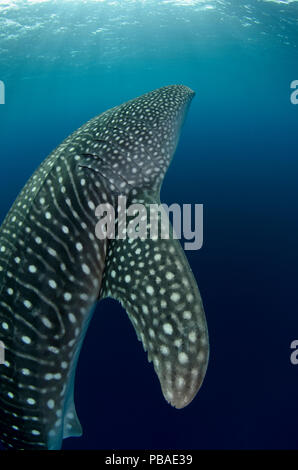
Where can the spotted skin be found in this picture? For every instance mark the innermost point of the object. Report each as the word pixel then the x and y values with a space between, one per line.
pixel 53 270
pixel 152 279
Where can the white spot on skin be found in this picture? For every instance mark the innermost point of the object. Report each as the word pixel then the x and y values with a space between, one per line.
pixel 27 303
pixel 201 356
pixel 35 432
pixel 168 329
pixel 71 318
pixel 79 246
pixel 180 382
pixel 25 371
pixel 26 339
pixel 52 284
pixel 169 276
pixel 67 296
pixel 156 362
pixel 192 336
pixel 187 315
pixel 182 357
pixel 175 297
pixel 86 269
pixel 127 278
pixel 32 269
pixel 145 309
pixel 151 333
pixel 31 401
pixel 51 404
pixel 150 290
pixel 164 350
pixel 46 322
pixel 65 229
pixel 5 326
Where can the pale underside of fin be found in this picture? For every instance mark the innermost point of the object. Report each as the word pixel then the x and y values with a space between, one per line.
pixel 70 424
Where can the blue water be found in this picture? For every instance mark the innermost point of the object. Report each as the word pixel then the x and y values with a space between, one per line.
pixel 65 62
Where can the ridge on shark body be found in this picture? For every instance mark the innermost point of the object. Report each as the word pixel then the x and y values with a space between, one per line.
pixel 53 270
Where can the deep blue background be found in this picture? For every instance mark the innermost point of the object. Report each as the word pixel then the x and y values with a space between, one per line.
pixel 238 156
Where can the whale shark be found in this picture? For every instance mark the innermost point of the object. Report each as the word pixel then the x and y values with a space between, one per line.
pixel 54 270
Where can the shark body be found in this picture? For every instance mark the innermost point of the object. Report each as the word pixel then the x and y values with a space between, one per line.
pixel 53 270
